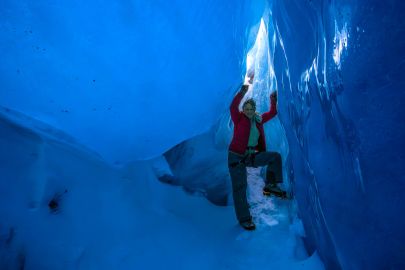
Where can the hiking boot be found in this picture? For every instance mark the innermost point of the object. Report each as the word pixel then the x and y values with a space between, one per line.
pixel 274 189
pixel 248 225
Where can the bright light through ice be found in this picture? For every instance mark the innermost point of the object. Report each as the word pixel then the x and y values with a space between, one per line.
pixel 249 68
pixel 250 63
pixel 340 43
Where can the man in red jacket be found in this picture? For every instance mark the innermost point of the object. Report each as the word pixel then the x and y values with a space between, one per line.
pixel 248 149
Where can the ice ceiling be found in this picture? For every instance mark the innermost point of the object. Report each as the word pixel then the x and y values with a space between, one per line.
pixel 131 79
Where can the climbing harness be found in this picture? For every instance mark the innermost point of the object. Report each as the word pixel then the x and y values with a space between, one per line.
pixel 250 156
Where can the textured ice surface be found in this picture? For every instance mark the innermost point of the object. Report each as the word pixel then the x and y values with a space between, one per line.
pixel 64 208
pixel 338 65
pixel 129 79
pixel 201 168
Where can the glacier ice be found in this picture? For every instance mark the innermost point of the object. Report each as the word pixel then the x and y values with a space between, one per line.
pixel 123 71
pixel 88 214
pixel 127 81
pixel 338 63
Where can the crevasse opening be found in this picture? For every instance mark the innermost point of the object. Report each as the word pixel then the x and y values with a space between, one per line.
pixel 114 130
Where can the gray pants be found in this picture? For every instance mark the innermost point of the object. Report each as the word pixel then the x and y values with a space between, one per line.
pixel 274 175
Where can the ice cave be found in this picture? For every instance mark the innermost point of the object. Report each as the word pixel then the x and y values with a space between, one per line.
pixel 115 128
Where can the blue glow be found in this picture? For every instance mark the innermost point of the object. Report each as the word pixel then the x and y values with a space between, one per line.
pixel 101 99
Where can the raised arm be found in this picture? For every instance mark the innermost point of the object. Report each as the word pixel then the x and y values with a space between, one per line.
pixel 273 108
pixel 235 114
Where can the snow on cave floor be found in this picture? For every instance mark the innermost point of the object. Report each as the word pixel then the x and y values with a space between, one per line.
pixel 204 236
pixel 275 243
pixel 188 232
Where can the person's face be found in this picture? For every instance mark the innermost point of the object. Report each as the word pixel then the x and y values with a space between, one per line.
pixel 249 111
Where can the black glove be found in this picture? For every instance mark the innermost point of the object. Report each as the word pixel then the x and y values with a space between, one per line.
pixel 273 97
pixel 244 88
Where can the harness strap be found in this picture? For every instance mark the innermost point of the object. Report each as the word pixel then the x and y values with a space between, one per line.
pixel 243 160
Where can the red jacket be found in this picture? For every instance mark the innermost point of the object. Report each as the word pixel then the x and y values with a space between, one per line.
pixel 241 123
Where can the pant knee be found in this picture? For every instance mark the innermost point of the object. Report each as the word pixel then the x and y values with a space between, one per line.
pixel 277 157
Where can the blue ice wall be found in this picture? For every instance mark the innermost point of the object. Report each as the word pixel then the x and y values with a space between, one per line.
pixel 118 75
pixel 339 68
pixel 130 79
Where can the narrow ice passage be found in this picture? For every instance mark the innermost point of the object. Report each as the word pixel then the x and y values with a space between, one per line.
pixel 102 101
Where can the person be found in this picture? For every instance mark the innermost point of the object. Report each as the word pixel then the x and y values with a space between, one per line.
pixel 248 149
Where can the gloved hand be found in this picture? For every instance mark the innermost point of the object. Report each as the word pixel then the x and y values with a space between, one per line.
pixel 273 97
pixel 244 88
